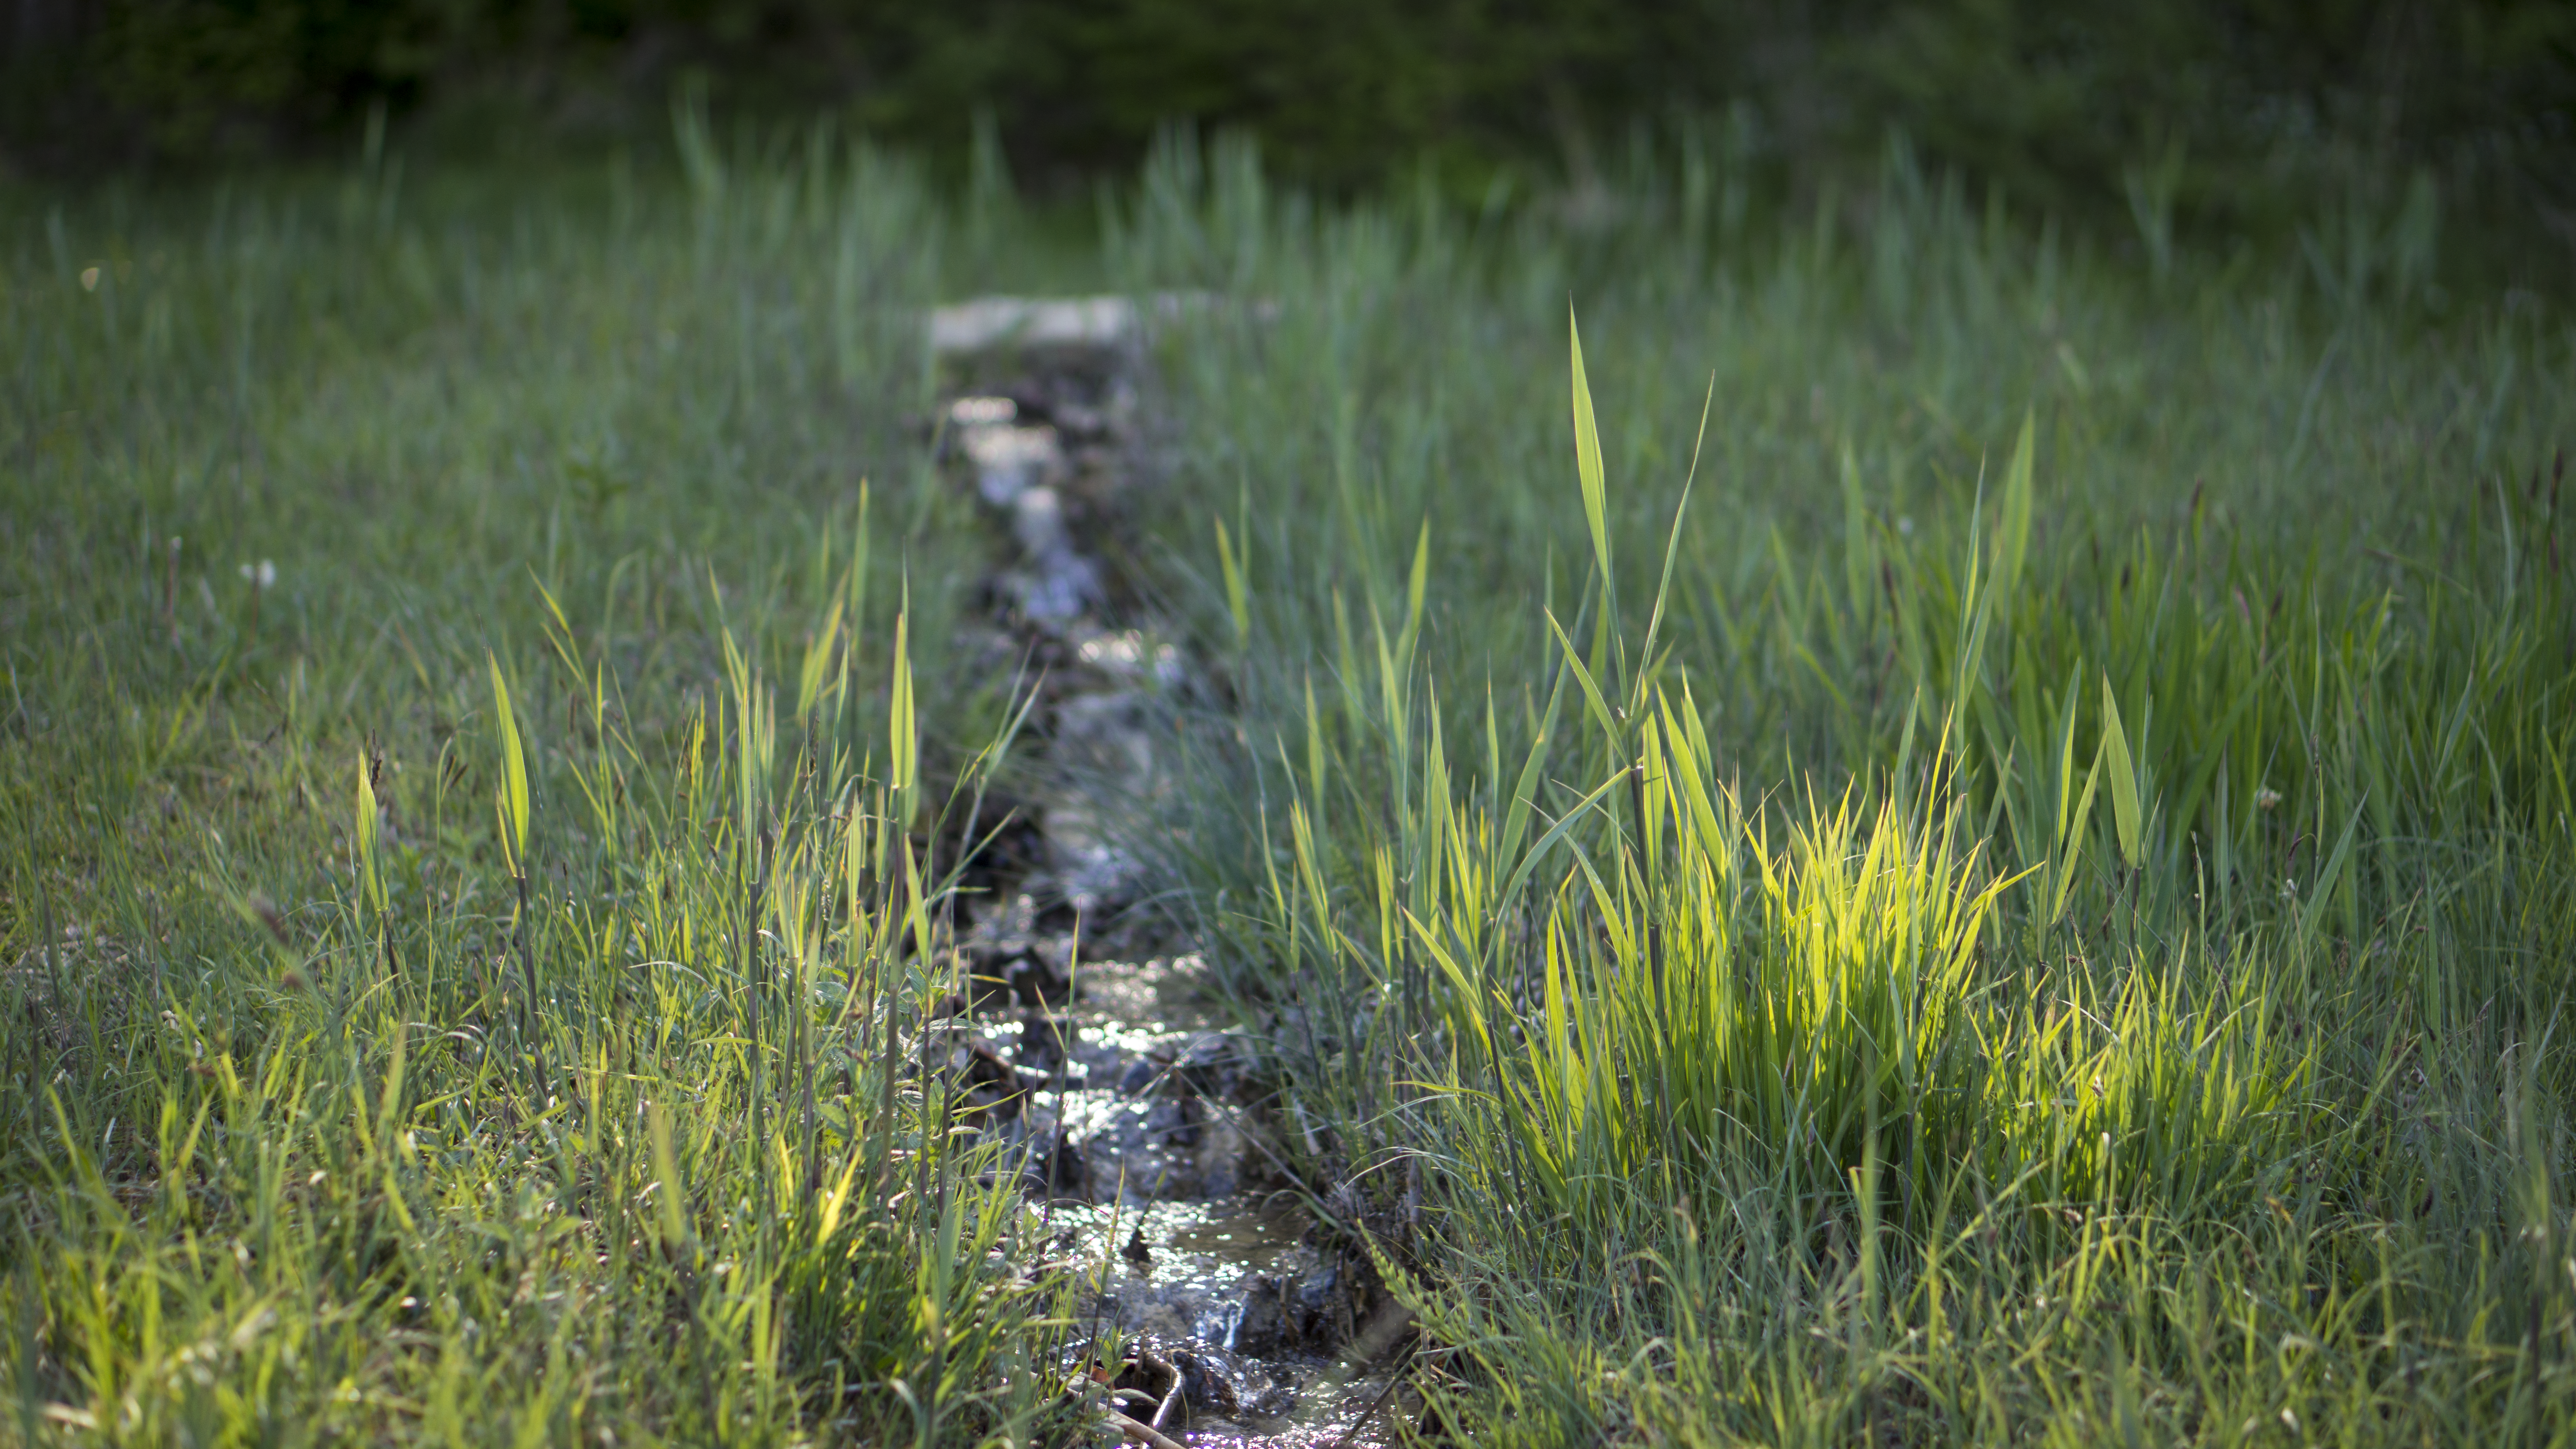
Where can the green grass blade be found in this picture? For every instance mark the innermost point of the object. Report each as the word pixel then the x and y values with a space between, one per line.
pixel 1587 462
pixel 371 882
pixel 1238 603
pixel 1672 551
pixel 903 740
pixel 1591 692
pixel 1516 815
pixel 2012 531
pixel 514 772
pixel 2124 780
pixel 819 656
pixel 2075 827
pixel 2312 913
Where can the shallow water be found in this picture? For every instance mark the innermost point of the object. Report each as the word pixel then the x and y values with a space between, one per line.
pixel 1207 1263
pixel 1133 1105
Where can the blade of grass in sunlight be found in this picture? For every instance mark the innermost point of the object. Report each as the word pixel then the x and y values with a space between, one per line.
pixel 2124 778
pixel 512 802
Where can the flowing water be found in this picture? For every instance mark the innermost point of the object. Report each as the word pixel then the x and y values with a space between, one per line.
pixel 1090 1048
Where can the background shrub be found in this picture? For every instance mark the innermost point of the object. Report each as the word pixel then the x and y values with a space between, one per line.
pixel 2228 115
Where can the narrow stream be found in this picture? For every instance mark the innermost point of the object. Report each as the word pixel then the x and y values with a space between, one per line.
pixel 1107 1067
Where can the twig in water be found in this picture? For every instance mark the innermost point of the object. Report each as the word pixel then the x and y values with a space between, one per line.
pixel 1350 1436
pixel 1138 1433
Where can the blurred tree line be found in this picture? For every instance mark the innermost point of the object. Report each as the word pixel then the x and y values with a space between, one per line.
pixel 2223 112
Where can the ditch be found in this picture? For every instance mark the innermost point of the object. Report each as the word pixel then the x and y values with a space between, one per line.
pixel 1215 1302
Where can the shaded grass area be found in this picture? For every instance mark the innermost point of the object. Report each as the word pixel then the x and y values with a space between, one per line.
pixel 466 936
pixel 2033 906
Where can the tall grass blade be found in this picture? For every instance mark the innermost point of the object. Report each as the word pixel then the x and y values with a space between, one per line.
pixel 2012 531
pixel 365 826
pixel 2124 780
pixel 2322 889
pixel 903 740
pixel 1587 464
pixel 1238 604
pixel 513 802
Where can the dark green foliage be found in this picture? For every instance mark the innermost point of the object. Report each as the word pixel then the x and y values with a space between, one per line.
pixel 2228 113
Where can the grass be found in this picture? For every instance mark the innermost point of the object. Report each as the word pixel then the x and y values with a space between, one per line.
pixel 1934 937
pixel 2027 900
pixel 344 1102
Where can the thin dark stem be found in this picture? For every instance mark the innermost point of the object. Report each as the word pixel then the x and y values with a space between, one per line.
pixel 1351 1436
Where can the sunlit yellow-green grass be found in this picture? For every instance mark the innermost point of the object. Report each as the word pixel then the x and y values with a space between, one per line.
pixel 2027 902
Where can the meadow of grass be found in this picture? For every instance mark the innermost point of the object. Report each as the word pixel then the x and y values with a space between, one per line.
pixel 2009 884
pixel 2026 901
pixel 459 790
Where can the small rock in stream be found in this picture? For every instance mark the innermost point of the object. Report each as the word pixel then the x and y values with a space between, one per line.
pixel 1046 1041
pixel 1011 462
pixel 1292 1313
pixel 1036 982
pixel 1205 1065
pixel 1055 1166
pixel 1205 1385
pixel 1037 521
pixel 992 1084
pixel 1174 1121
